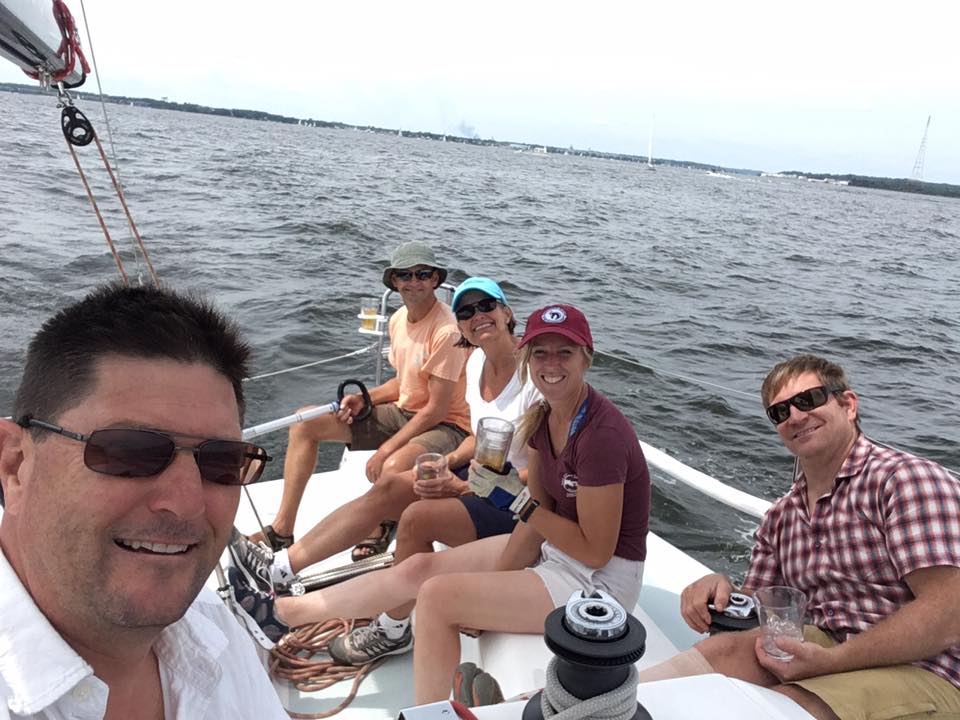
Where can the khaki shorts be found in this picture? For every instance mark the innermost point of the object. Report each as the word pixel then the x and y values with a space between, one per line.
pixel 620 577
pixel 386 420
pixel 897 692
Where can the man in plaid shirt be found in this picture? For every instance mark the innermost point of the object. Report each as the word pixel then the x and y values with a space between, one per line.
pixel 872 536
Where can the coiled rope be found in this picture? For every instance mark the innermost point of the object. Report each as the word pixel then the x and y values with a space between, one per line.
pixel 292 660
pixel 617 704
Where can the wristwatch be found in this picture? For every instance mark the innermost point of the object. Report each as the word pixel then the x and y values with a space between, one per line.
pixel 523 505
pixel 527 510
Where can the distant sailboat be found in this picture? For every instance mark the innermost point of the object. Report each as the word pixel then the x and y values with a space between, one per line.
pixel 650 146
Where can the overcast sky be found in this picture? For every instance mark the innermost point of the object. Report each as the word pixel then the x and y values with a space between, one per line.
pixel 839 86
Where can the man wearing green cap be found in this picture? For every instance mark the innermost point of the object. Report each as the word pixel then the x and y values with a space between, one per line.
pixel 422 409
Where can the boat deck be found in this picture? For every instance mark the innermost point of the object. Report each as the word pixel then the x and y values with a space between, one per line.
pixel 519 661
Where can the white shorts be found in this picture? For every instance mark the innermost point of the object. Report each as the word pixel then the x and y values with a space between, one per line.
pixel 562 575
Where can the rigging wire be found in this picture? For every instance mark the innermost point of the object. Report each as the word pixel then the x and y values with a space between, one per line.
pixel 324 361
pixel 96 210
pixel 136 240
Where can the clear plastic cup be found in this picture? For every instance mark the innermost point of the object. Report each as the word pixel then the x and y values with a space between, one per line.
pixel 431 466
pixel 369 308
pixel 781 610
pixel 493 442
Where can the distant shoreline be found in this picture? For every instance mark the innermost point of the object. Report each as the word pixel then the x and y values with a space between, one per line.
pixel 865 181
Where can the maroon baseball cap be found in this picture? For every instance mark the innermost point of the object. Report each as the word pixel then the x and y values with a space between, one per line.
pixel 564 320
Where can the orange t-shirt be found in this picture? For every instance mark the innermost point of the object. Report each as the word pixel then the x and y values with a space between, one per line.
pixel 424 348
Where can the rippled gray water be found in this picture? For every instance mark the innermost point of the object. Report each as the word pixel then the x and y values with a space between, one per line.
pixel 681 273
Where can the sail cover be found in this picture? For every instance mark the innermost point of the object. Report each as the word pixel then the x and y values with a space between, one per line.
pixel 30 37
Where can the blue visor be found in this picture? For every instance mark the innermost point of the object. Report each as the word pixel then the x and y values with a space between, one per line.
pixel 481 284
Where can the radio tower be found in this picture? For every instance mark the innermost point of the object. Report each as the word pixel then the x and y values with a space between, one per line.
pixel 921 153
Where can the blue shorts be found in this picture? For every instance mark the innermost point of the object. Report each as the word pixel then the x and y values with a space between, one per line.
pixel 487 518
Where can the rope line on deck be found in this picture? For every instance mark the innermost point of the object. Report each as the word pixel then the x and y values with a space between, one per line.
pixel 292 660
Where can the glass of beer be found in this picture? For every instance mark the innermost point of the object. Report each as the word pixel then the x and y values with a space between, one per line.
pixel 493 442
pixel 431 466
pixel 369 308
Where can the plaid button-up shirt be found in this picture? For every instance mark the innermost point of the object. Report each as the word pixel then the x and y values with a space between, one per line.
pixel 888 514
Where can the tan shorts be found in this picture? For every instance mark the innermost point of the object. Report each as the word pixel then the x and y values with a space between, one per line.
pixel 897 692
pixel 386 420
pixel 620 577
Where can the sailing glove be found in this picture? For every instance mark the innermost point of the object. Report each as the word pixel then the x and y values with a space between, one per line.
pixel 499 488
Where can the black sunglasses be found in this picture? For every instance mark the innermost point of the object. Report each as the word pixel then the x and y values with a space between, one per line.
pixel 804 401
pixel 130 452
pixel 407 275
pixel 465 312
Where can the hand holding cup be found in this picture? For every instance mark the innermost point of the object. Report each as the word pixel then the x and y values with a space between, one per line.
pixel 781 610
pixel 500 488
pixel 433 477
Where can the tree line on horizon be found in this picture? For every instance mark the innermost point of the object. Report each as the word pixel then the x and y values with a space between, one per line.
pixel 865 181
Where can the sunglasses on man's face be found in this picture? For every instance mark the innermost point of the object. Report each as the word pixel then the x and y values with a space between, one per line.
pixel 465 312
pixel 130 452
pixel 804 401
pixel 408 275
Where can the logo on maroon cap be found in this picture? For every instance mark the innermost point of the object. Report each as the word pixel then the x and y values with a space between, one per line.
pixel 554 315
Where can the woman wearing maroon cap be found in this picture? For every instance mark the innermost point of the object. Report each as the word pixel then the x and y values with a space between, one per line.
pixel 583 526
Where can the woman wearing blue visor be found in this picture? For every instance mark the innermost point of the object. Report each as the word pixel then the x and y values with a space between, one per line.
pixel 449 512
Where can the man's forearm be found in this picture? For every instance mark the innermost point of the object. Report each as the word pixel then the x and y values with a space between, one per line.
pixel 463 453
pixel 921 629
pixel 386 393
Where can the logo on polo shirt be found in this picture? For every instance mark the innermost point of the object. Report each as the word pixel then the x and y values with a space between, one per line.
pixel 554 315
pixel 570 484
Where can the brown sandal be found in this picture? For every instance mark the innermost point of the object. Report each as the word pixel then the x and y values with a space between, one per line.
pixel 275 540
pixel 377 543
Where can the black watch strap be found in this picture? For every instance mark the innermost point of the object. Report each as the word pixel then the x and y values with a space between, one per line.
pixel 527 511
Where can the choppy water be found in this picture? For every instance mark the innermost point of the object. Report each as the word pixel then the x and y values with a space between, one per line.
pixel 710 278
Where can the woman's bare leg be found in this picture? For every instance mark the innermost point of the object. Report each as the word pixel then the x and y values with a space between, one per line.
pixel 371 594
pixel 424 522
pixel 428 521
pixel 514 601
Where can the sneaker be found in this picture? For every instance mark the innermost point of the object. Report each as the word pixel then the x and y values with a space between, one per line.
pixel 257 604
pixel 366 644
pixel 255 561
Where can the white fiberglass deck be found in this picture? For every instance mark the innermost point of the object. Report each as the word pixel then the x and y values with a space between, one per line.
pixel 519 661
